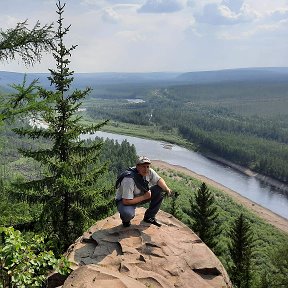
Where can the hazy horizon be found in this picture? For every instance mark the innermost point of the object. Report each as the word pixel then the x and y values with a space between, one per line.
pixel 156 72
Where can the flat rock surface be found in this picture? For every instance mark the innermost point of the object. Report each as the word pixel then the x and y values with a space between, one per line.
pixel 143 255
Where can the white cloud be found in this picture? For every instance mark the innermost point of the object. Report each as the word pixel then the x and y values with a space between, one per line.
pixel 220 14
pixel 162 6
pixel 261 31
pixel 233 5
pixel 191 28
pixel 278 14
pixel 110 15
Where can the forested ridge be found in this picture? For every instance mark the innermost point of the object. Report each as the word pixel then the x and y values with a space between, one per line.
pixel 243 122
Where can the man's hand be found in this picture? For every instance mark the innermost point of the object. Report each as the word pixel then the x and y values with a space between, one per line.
pixel 147 195
pixel 165 188
pixel 169 192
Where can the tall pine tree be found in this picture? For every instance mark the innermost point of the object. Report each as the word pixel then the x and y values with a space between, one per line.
pixel 241 253
pixel 68 189
pixel 204 214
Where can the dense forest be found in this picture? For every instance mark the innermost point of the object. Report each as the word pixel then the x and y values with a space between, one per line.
pixel 243 122
pixel 268 241
pixel 14 167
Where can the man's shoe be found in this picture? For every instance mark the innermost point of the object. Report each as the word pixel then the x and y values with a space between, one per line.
pixel 152 221
pixel 126 224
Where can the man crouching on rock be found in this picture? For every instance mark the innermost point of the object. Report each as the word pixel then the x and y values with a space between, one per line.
pixel 140 184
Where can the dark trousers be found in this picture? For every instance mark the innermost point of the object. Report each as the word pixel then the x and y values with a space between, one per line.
pixel 127 212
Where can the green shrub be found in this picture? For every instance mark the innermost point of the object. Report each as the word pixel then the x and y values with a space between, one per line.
pixel 24 261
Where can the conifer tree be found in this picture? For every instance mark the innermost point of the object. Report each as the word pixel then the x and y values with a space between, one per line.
pixel 280 261
pixel 68 189
pixel 204 214
pixel 241 253
pixel 26 43
pixel 275 276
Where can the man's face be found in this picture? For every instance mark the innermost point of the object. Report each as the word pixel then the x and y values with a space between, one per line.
pixel 143 169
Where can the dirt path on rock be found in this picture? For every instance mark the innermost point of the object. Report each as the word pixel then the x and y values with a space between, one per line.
pixel 270 217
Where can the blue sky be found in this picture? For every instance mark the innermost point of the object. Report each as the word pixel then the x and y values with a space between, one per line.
pixel 161 35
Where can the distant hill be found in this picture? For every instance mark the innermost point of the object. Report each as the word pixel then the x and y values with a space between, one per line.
pixel 9 78
pixel 236 75
pixel 89 79
pixel 93 79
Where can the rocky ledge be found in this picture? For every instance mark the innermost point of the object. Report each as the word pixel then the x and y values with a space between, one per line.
pixel 143 255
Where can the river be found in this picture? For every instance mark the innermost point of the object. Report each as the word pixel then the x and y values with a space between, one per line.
pixel 248 186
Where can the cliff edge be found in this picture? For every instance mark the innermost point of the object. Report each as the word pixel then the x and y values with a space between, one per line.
pixel 143 255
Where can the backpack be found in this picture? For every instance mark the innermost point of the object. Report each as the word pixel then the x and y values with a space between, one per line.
pixel 140 182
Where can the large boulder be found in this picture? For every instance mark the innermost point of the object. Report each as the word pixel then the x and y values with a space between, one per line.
pixel 143 255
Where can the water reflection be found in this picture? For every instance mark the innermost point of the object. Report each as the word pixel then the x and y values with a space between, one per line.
pixel 250 187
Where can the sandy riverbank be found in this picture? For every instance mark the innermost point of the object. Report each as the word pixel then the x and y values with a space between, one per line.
pixel 272 218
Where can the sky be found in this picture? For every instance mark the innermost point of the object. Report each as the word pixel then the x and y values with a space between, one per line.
pixel 160 35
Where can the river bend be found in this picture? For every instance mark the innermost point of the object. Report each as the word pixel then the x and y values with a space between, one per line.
pixel 248 186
